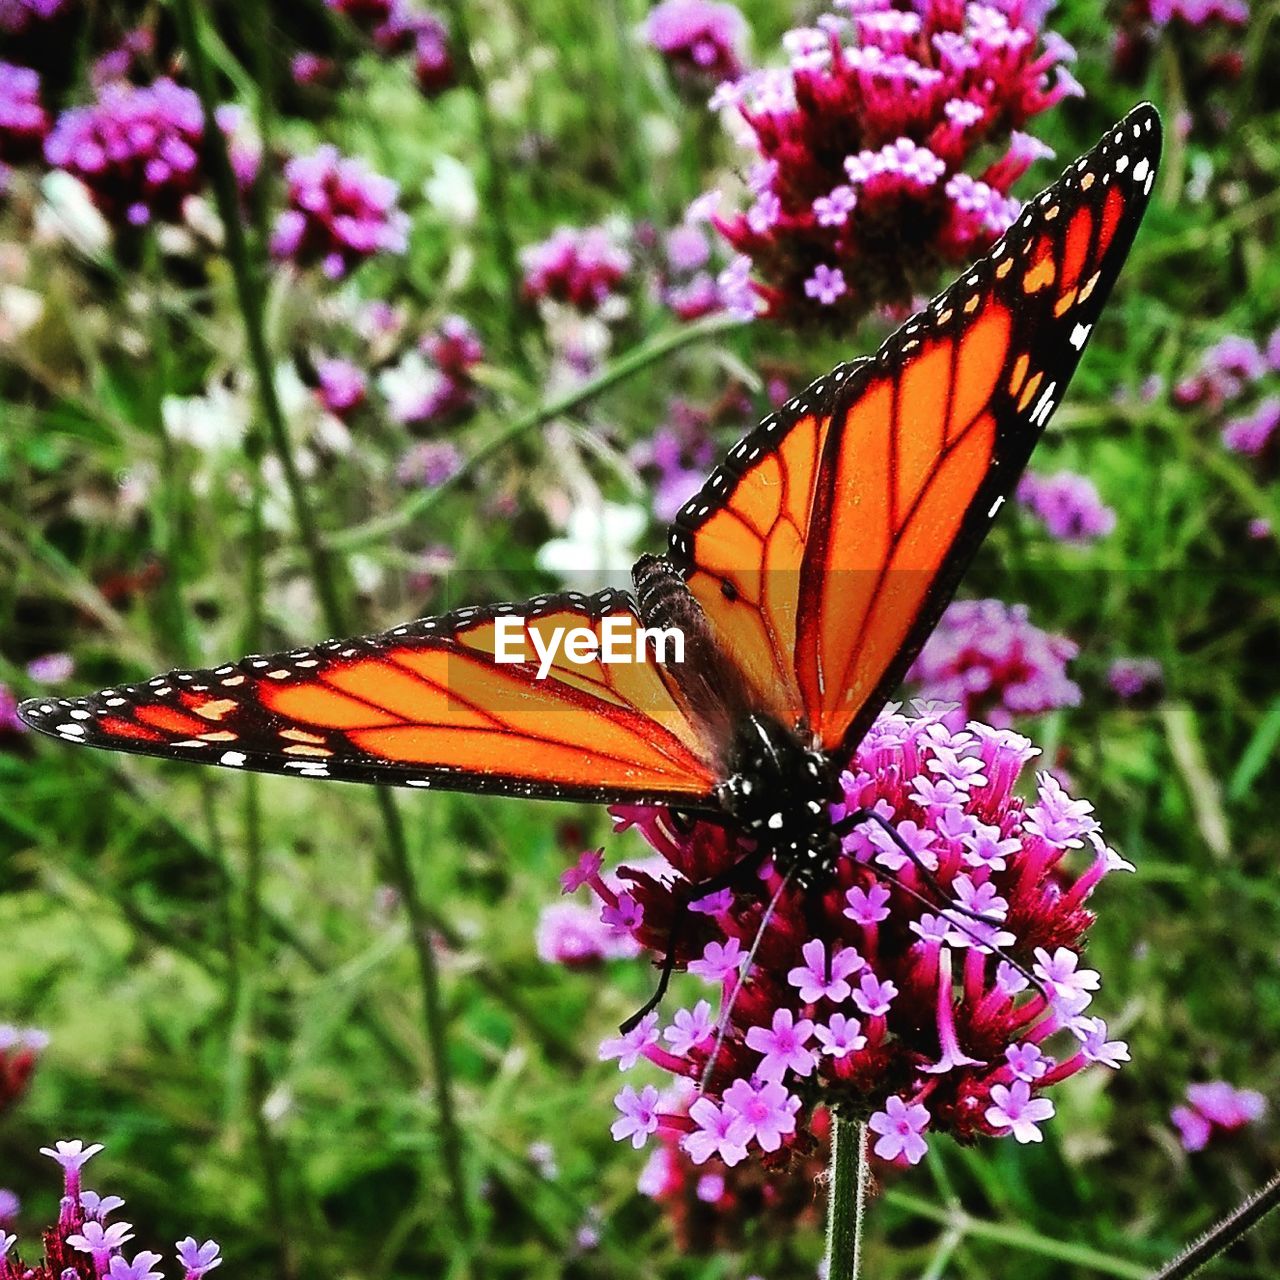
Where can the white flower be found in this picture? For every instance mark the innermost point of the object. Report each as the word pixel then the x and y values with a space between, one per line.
pixel 20 309
pixel 212 422
pixel 411 388
pixel 599 541
pixel 451 189
pixel 68 213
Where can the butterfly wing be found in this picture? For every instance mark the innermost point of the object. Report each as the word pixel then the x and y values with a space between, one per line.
pixel 825 548
pixel 428 704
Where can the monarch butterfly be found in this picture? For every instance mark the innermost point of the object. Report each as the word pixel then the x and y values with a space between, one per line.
pixel 803 579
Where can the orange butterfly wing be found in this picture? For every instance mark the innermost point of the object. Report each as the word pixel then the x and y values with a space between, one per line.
pixel 426 704
pixel 826 547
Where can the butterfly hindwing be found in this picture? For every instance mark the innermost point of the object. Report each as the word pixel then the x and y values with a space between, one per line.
pixel 826 548
pixel 425 704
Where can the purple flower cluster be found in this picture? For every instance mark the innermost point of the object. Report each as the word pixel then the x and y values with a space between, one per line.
pixel 1215 1108
pixel 9 722
pixel 397 27
pixel 339 213
pixel 703 41
pixel 861 187
pixel 84 1245
pixel 1250 433
pixel 1136 679
pixel 341 386
pixel 578 267
pixel 1068 505
pixel 573 935
pixel 435 384
pixel 20 1050
pixel 688 283
pixel 994 664
pixel 23 119
pixel 1199 13
pixel 20 17
pixel 676 458
pixel 140 150
pixel 879 991
pixel 1226 370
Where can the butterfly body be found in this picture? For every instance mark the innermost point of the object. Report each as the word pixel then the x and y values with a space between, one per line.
pixel 803 577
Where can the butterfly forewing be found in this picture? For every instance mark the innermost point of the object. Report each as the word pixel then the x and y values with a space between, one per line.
pixel 829 543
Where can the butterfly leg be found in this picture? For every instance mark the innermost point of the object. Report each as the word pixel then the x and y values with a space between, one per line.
pixel 731 878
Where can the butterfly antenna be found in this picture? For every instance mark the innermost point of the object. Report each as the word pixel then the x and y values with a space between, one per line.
pixel 949 909
pixel 743 973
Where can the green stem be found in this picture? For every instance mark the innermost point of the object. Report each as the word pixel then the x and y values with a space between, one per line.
pixel 620 370
pixel 322 570
pixel 847 1198
pixel 1020 1238
pixel 1221 1237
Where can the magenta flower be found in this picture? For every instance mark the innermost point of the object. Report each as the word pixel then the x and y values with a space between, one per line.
pixel 581 268
pixel 197 1260
pixel 1215 1108
pixel 676 458
pixel 20 17
pixel 639 1116
pixel 141 1268
pixel 1068 505
pixel 867 144
pixel 139 150
pixel 900 1127
pixel 20 1049
pixel 23 119
pixel 574 936
pixel 703 41
pixel 9 1207
pixel 429 464
pixel 1013 1107
pixel 720 1131
pixel 935 999
pixel 342 386
pixel 339 213
pixel 101 1242
pixel 1225 371
pixel 1134 679
pixel 995 665
pixel 1199 13
pixel 1251 433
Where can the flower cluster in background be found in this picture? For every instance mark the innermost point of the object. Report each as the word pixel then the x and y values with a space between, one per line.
pixel 85 1245
pixel 573 935
pixel 580 267
pixel 140 150
pixel 23 119
pixel 338 213
pixel 434 383
pixel 1136 679
pixel 714 1207
pixel 396 27
pixel 867 148
pixel 20 1049
pixel 1214 1109
pixel 703 41
pixel 881 991
pixel 994 664
pixel 1067 504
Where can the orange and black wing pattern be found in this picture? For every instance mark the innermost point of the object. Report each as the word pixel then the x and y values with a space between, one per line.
pixel 426 705
pixel 827 545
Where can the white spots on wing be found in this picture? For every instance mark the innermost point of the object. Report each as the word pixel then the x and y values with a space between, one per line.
pixel 80 715
pixel 1141 169
pixel 995 506
pixel 1080 335
pixel 72 731
pixel 418 782
pixel 233 758
pixel 1044 406
pixel 1122 163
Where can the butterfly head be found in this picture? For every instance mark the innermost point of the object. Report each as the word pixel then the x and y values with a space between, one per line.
pixel 780 791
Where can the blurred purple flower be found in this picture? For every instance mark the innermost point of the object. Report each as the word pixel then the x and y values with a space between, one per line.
pixel 9 722
pixel 139 150
pixel 918 1030
pixel 1224 371
pixel 860 186
pixel 18 17
pixel 1252 432
pixel 574 936
pixel 20 1050
pixel 428 463
pixel 580 267
pixel 342 386
pixel 10 1207
pixel 1135 678
pixel 51 668
pixel 991 661
pixel 676 458
pixel 1259 528
pixel 23 119
pixel 1215 1107
pixel 339 213
pixel 1068 504
pixel 703 41
pixel 308 69
pixel 1198 13
pixel 198 1259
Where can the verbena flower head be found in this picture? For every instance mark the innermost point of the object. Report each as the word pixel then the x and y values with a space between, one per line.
pixel 82 1245
pixel 677 457
pixel 339 213
pixel 23 119
pixel 866 996
pixel 1136 679
pixel 573 935
pixel 140 150
pixel 1251 433
pixel 1068 505
pixel 342 386
pixel 580 267
pixel 1225 370
pixel 714 1207
pixel 703 41
pixel 1213 1109
pixel 20 1049
pixel 872 149
pixel 989 659
pixel 19 17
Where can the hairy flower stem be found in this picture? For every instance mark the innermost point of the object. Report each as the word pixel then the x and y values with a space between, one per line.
pixel 846 1198
pixel 636 360
pixel 1219 1238
pixel 323 573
